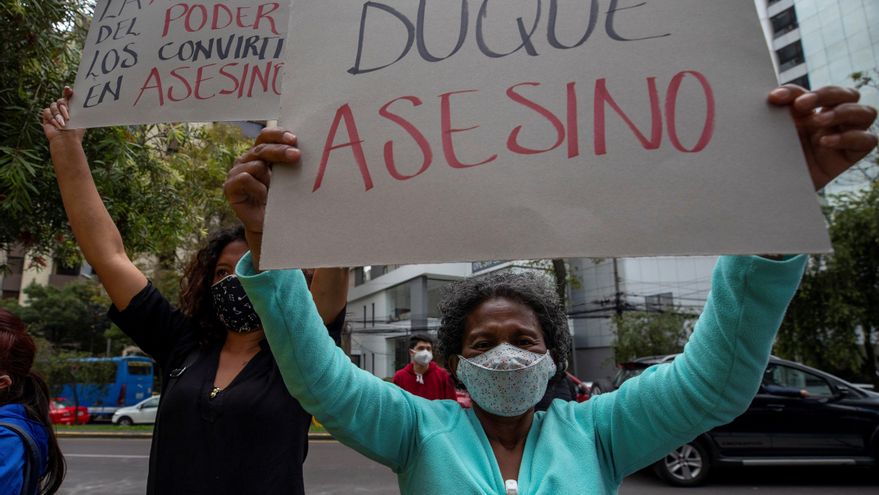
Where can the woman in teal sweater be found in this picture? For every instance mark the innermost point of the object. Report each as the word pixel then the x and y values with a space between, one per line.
pixel 503 343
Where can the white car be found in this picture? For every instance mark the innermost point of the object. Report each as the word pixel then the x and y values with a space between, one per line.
pixel 142 412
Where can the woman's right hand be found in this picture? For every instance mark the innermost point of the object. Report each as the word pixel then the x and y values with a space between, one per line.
pixel 55 119
pixel 247 184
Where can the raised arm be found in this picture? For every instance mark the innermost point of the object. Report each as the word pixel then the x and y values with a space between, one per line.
pixel 716 377
pixel 252 171
pixel 95 232
pixel 372 416
pixel 376 418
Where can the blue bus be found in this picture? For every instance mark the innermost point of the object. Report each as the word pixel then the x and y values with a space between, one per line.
pixel 127 381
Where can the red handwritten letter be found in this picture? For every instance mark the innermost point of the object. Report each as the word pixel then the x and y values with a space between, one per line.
pixel 413 131
pixel 602 97
pixel 671 103
pixel 344 112
pixel 448 130
pixel 513 140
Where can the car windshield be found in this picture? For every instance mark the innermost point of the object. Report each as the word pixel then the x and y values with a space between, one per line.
pixel 61 403
pixel 624 374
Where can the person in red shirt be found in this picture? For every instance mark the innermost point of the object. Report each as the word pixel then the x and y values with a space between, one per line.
pixel 422 376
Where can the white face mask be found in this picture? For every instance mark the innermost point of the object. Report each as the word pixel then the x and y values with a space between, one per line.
pixel 506 380
pixel 423 357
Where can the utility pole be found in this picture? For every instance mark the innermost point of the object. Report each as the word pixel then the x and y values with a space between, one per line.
pixel 617 296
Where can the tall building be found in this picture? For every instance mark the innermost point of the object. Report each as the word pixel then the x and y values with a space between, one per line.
pixel 817 43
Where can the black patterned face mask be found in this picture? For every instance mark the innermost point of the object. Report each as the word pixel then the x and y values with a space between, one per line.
pixel 233 307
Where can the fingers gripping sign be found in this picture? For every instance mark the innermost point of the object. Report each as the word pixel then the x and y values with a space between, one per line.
pixel 833 128
pixel 56 116
pixel 247 184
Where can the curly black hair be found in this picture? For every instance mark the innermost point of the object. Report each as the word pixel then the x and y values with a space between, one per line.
pixel 531 289
pixel 195 286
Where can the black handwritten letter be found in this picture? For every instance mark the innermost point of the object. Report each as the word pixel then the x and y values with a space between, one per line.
pixel 526 36
pixel 609 22
pixel 462 33
pixel 410 28
pixel 551 34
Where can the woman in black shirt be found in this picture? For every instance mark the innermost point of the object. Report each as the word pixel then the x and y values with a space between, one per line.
pixel 226 423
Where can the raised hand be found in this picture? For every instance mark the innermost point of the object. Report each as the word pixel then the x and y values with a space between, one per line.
pixel 832 126
pixel 247 184
pixel 56 116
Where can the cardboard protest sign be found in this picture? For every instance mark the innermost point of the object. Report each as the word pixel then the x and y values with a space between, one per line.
pixel 515 129
pixel 148 61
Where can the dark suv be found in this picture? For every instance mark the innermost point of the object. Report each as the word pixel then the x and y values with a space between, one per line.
pixel 800 416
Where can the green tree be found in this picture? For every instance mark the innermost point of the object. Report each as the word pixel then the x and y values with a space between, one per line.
pixel 649 333
pixel 73 317
pixel 833 322
pixel 161 183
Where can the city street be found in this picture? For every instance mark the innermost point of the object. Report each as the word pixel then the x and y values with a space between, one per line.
pixel 118 466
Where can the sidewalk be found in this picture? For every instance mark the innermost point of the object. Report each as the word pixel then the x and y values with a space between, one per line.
pixel 143 434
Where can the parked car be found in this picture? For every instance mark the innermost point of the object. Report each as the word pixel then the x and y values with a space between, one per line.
pixel 627 370
pixel 144 412
pixel 61 412
pixel 800 416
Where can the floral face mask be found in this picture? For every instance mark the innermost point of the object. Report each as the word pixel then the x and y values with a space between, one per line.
pixel 506 380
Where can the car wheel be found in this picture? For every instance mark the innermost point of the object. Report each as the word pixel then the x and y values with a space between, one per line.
pixel 125 421
pixel 687 465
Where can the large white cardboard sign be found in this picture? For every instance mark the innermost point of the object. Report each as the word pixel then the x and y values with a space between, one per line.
pixel 514 129
pixel 148 61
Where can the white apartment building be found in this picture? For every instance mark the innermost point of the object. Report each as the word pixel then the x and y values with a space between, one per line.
pixel 817 43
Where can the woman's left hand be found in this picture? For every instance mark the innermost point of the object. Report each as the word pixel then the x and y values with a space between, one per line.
pixel 832 125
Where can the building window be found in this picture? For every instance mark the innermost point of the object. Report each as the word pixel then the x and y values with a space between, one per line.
pixel 62 269
pixel 784 22
pixel 790 56
pixel 399 303
pixel 14 265
pixel 435 289
pixel 401 352
pixel 801 81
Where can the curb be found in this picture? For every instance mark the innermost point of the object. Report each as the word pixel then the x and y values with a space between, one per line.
pixel 111 434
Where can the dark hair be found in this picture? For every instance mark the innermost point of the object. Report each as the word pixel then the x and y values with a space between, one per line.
pixel 195 286
pixel 17 352
pixel 463 297
pixel 418 337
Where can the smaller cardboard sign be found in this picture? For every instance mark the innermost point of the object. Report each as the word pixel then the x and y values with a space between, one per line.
pixel 149 61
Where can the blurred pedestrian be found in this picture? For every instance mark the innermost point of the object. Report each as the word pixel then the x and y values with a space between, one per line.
pixel 422 376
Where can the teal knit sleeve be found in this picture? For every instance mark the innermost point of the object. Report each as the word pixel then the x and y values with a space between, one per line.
pixel 366 413
pixel 715 378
